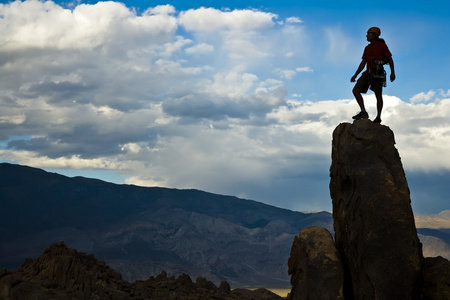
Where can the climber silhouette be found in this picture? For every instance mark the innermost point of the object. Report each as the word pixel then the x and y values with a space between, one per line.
pixel 375 55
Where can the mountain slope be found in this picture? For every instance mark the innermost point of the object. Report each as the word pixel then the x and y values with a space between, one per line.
pixel 140 231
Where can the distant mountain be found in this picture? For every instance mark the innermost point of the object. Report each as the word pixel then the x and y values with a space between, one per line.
pixel 436 242
pixel 140 231
pixel 434 233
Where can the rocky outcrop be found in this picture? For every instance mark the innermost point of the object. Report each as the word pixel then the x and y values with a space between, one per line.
pixel 13 286
pixel 64 273
pixel 315 267
pixel 436 278
pixel 375 233
pixel 373 221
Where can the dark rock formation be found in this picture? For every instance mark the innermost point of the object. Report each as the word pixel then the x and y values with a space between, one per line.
pixel 375 233
pixel 315 266
pixel 13 286
pixel 436 278
pixel 63 273
pixel 373 220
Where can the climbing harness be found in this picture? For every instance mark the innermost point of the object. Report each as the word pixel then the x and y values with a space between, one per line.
pixel 377 70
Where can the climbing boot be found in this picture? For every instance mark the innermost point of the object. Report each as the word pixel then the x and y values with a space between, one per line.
pixel 361 115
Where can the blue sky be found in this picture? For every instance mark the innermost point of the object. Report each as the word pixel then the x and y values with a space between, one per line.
pixel 231 97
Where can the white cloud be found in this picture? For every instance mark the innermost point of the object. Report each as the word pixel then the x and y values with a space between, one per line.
pixel 200 49
pixel 430 95
pixel 436 221
pixel 13 120
pixel 422 97
pixel 232 84
pixel 445 94
pixel 32 24
pixel 31 158
pixel 293 20
pixel 172 47
pixel 304 69
pixel 287 74
pixel 211 20
pixel 146 181
pixel 160 10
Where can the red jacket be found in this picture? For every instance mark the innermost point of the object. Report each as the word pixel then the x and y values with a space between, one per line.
pixel 375 50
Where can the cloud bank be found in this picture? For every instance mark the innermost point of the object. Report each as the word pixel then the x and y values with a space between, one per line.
pixel 435 221
pixel 191 99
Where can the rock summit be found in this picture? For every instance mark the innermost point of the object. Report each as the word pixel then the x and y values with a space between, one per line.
pixel 375 238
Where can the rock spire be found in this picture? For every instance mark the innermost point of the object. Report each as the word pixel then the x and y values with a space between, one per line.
pixel 376 240
pixel 374 224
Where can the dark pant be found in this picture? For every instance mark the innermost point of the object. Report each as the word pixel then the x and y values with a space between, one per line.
pixel 365 81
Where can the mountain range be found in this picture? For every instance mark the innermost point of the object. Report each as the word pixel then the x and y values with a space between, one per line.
pixel 140 231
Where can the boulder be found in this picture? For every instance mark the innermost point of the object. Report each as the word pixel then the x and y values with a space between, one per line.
pixel 374 224
pixel 315 266
pixel 13 287
pixel 436 278
pixel 224 287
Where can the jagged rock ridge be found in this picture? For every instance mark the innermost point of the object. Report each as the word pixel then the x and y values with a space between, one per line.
pixel 64 273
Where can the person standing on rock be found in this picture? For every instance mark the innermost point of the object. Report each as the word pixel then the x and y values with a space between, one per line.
pixel 375 55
